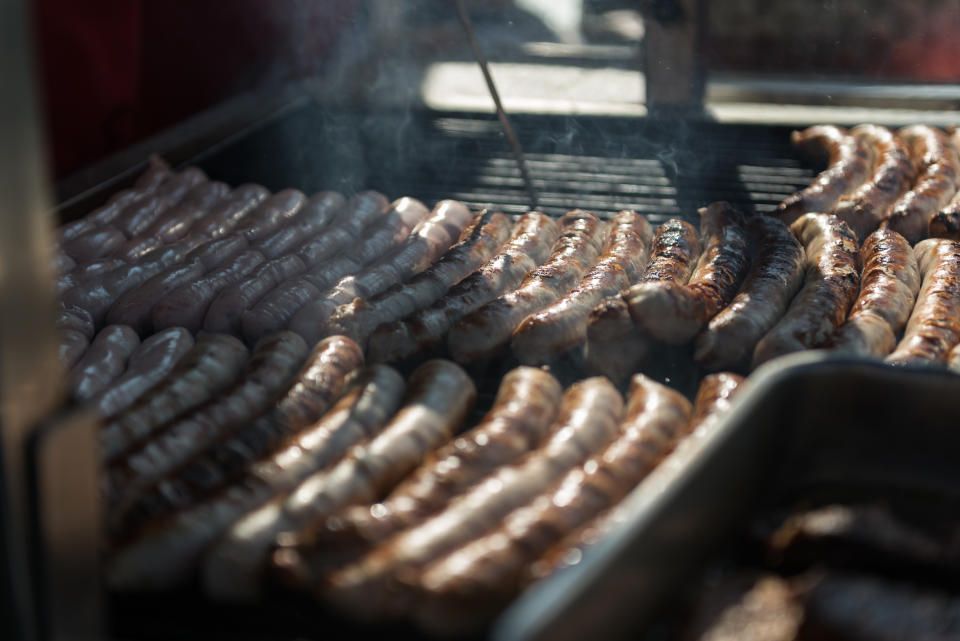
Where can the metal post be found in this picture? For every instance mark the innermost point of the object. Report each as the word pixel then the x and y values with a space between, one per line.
pixel 48 476
pixel 673 66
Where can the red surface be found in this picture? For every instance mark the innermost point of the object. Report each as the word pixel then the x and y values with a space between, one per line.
pixel 116 71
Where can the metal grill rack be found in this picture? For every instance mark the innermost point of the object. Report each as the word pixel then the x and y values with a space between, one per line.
pixel 661 168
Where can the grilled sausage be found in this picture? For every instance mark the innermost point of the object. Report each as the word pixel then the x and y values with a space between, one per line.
pixel 186 305
pixel 433 235
pixel 224 216
pixel 316 386
pixel 850 161
pixel 134 307
pixel 359 318
pixel 528 246
pixel 938 168
pixel 714 397
pixel 520 417
pixel 712 401
pixel 157 172
pixel 75 318
pixel 103 361
pixel 151 362
pixel 98 294
pixel 562 327
pixel 830 286
pixel 953 360
pixel 673 254
pixel 946 222
pixel 166 552
pixel 319 210
pixel 279 308
pixel 267 376
pixel 614 346
pixel 215 361
pixel 226 310
pixel 888 289
pixel 363 211
pixel 893 174
pixel 934 326
pixel 483 332
pixel 270 214
pixel 136 218
pixel 71 345
pixel 588 420
pixel 94 244
pixel 777 273
pixel 465 588
pixel 675 313
pixel 439 397
pixel 177 222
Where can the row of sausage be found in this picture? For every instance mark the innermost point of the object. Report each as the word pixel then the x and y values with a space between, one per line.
pixel 299 469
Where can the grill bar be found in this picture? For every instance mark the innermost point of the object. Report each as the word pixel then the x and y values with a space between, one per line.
pixel 659 168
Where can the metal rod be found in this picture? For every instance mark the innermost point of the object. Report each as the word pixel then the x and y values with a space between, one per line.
pixel 501 113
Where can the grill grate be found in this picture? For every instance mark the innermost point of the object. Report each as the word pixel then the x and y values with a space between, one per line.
pixel 659 168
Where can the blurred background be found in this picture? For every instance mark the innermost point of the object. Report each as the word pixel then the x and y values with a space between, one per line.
pixel 115 72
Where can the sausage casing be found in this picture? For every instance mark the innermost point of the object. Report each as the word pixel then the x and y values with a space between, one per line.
pixel 831 283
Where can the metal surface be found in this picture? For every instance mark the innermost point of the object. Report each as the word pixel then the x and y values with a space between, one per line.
pixel 810 420
pixel 672 63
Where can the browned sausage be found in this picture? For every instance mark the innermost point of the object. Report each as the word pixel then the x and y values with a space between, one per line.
pixel 427 241
pixel 464 589
pixel 588 420
pixel 226 310
pixel 166 553
pixel 149 364
pixel 711 404
pixel 280 308
pixel 521 415
pixel 934 325
pixel 319 210
pixel 224 216
pixel 674 313
pixel 359 318
pixel 777 273
pixel 186 305
pixel 215 361
pixel 528 246
pixel 850 161
pixel 175 223
pixel 274 361
pixel 938 172
pixel 270 214
pixel 893 174
pixel 614 346
pixel 103 361
pixel 888 289
pixel 562 327
pixel 830 286
pixel 484 332
pixel 94 244
pixel 315 387
pixel 439 397
pixel 137 217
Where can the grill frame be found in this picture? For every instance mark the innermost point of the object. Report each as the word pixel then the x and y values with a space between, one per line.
pixel 659 167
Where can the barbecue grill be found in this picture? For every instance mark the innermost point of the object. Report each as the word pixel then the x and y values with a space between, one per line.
pixel 672 156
